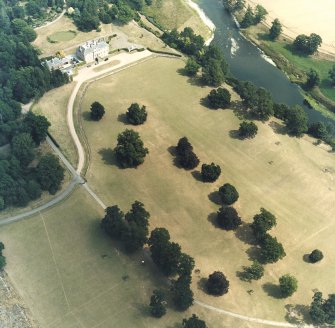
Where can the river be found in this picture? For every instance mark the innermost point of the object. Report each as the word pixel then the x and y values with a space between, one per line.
pixel 247 63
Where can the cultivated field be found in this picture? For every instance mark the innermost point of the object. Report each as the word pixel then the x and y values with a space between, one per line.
pixel 70 275
pixel 304 17
pixel 290 177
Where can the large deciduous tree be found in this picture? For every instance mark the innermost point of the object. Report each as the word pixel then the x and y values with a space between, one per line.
pixel 97 111
pixel 288 285
pixel 296 121
pixel 275 29
pixel 228 194
pixel 217 284
pixel 210 172
pixel 193 322
pixel 37 126
pixel 228 218
pixel 271 249
pixel 263 222
pixel 247 130
pixel 136 114
pixel 157 304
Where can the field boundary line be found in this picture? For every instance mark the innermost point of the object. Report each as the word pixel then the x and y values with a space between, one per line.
pixel 54 259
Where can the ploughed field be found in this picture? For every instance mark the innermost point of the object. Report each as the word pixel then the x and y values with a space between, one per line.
pixel 292 178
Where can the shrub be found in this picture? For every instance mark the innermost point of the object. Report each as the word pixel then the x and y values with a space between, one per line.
pixel 315 256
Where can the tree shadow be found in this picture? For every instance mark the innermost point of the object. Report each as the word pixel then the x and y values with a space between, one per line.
pixel 245 234
pixel 196 81
pixel 234 134
pixel 197 176
pixel 242 114
pixel 306 259
pixel 173 152
pixel 108 156
pixel 144 309
pixel 212 218
pixel 123 119
pixel 298 314
pixel 87 116
pixel 176 325
pixel 272 290
pixel 215 197
pixel 253 253
pixel 202 284
pixel 264 36
pixel 278 128
pixel 205 103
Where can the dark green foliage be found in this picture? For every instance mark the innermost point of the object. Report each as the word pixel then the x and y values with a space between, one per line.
pixel 296 121
pixel 313 78
pixel 191 67
pixel 131 229
pixel 280 111
pixel 315 256
pixel 23 30
pixel 271 249
pixel 157 304
pixel 182 294
pixel 276 29
pixel 37 126
pixel 193 322
pixel 217 284
pixel 253 272
pixel 33 189
pixel 122 12
pixel 227 218
pixel 262 223
pixel 2 258
pixel 331 74
pixel 212 74
pixel 88 19
pixel 288 285
pixel 323 310
pixel 307 44
pixel 136 115
pixel 219 98
pixel 259 15
pixel 186 157
pixel 318 130
pixel 248 19
pixel 130 150
pixel 49 173
pixel 228 194
pixel 186 265
pixel 247 129
pixel 23 148
pixel 233 5
pixel 210 172
pixel 97 111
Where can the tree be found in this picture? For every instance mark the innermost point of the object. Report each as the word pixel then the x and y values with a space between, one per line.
pixel 182 294
pixel 288 285
pixel 23 148
pixel 296 121
pixel 97 111
pixel 280 111
pixel 212 73
pixel 271 249
pixel 253 272
pixel 261 105
pixel 130 150
pixel 318 130
pixel 186 265
pixel 315 256
pixel 186 157
pixel 136 115
pixel 262 223
pixel 219 98
pixel 183 146
pixel 260 13
pixel 227 218
pixel 228 194
pixel 317 312
pixel 37 126
pixel 157 304
pixel 49 173
pixel 313 78
pixel 2 258
pixel 217 284
pixel 276 29
pixel 113 222
pixel 210 172
pixel 248 18
pixel 191 67
pixel 247 129
pixel 331 74
pixel 193 322
pixel 307 44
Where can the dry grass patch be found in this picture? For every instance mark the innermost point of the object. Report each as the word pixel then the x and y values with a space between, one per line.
pixel 290 177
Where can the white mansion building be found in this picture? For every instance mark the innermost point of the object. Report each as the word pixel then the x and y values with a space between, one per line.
pixel 91 50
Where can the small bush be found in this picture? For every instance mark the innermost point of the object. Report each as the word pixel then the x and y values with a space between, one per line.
pixel 315 256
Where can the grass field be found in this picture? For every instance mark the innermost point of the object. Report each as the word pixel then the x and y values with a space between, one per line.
pixel 53 105
pixel 62 36
pixel 70 275
pixel 282 47
pixel 176 14
pixel 290 177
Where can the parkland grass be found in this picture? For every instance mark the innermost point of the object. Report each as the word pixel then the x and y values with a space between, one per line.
pixel 290 177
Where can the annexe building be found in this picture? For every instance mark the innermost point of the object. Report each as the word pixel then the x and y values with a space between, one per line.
pixel 93 50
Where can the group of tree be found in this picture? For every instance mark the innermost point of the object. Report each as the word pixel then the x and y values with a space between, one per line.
pixel 131 229
pixel 219 98
pixel 136 114
pixel 271 249
pixel 233 5
pixel 247 130
pixel 307 45
pixel 130 150
pixel 322 311
pixel 185 155
pixel 2 257
pixel 253 16
pixel 172 261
